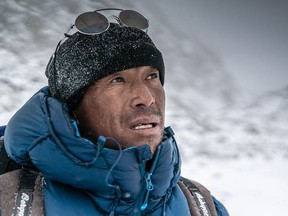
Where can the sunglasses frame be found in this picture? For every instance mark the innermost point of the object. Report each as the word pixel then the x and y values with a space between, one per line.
pixel 125 18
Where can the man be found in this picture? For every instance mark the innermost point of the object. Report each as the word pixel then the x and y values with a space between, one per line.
pixel 96 133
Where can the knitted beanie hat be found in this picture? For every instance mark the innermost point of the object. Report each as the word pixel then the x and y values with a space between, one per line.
pixel 83 59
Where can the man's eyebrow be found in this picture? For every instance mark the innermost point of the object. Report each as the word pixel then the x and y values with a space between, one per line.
pixel 111 76
pixel 118 73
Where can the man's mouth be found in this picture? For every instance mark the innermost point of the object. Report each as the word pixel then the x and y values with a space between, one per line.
pixel 144 126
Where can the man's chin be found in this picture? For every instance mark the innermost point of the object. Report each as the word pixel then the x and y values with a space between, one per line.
pixel 153 143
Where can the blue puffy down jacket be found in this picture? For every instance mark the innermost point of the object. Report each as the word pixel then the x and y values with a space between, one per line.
pixel 83 178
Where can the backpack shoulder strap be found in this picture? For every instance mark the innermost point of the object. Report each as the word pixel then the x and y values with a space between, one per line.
pixel 4 159
pixel 198 197
pixel 26 184
pixel 8 188
pixel 6 164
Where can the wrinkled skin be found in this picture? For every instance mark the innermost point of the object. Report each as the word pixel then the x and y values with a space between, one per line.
pixel 128 106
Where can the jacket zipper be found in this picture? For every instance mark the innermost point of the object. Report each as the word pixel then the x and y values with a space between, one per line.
pixel 137 211
pixel 148 186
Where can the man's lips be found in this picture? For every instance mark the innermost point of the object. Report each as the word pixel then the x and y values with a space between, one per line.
pixel 144 123
pixel 144 126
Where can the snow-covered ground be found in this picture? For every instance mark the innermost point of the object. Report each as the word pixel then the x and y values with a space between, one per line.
pixel 239 150
pixel 252 187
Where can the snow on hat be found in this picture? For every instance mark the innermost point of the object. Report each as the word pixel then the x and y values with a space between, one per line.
pixel 83 59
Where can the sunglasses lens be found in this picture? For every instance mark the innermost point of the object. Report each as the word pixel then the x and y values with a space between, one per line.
pixel 133 19
pixel 91 23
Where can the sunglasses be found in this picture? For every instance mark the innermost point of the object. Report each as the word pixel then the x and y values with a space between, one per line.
pixel 93 23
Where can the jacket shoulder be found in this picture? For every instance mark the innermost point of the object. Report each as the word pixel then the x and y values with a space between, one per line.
pixel 221 210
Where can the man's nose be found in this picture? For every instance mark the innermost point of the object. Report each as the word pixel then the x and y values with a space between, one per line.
pixel 141 95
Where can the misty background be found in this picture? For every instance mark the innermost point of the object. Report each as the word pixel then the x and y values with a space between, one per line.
pixel 226 84
pixel 250 37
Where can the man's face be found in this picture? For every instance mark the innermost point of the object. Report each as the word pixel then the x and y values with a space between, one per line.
pixel 128 106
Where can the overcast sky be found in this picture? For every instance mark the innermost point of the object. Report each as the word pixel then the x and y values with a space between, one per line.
pixel 250 36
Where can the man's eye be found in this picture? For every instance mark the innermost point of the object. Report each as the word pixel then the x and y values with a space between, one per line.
pixel 117 80
pixel 153 76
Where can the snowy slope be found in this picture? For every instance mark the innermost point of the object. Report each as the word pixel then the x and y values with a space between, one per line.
pixel 235 149
pixel 257 129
